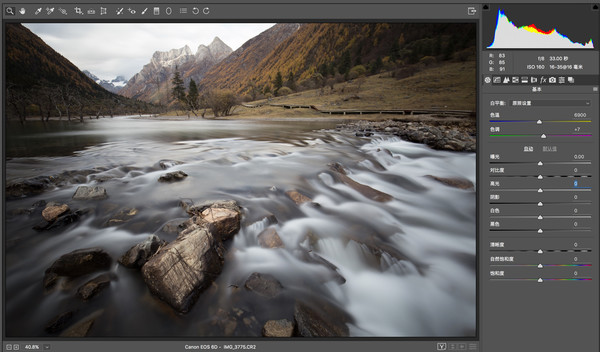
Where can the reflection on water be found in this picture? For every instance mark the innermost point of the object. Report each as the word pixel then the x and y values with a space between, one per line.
pixel 408 264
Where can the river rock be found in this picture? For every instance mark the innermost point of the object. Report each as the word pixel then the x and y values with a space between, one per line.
pixel 270 239
pixel 77 263
pixel 173 176
pixel 224 222
pixel 222 216
pixel 460 183
pixel 185 267
pixel 196 208
pixel 93 287
pixel 122 216
pixel 79 330
pixel 320 319
pixel 337 167
pixel 298 197
pixel 313 258
pixel 139 254
pixel 278 328
pixel 90 193
pixel 54 210
pixel 365 190
pixel 58 322
pixel 82 327
pixel 264 284
pixel 165 164
pixel 28 187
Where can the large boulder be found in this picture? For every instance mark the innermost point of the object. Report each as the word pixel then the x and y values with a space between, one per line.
pixel 224 222
pixel 223 217
pixel 77 263
pixel 180 271
pixel 139 254
pixel 90 193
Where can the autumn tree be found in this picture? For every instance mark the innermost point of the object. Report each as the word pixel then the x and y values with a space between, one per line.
pixel 222 102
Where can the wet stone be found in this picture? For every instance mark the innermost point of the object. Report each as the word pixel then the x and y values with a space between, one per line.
pixel 165 164
pixel 54 210
pixel 454 182
pixel 269 238
pixel 139 254
pixel 59 322
pixel 278 328
pixel 173 176
pixel 93 287
pixel 298 197
pixel 320 319
pixel 184 268
pixel 90 193
pixel 77 263
pixel 264 285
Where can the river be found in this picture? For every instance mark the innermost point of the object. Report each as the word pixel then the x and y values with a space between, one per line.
pixel 408 264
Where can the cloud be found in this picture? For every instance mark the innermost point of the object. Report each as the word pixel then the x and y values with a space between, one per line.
pixel 111 49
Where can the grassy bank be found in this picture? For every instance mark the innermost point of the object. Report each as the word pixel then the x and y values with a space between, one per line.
pixel 449 86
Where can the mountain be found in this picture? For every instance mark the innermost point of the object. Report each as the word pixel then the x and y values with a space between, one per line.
pixel 31 62
pixel 331 49
pixel 113 86
pixel 41 82
pixel 152 83
pixel 241 64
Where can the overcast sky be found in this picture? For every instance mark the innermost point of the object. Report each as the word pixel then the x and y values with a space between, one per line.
pixel 112 49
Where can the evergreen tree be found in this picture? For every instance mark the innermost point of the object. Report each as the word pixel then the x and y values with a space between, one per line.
pixel 376 66
pixel 394 51
pixel 193 94
pixel 323 70
pixel 291 82
pixel 178 90
pixel 277 82
pixel 345 63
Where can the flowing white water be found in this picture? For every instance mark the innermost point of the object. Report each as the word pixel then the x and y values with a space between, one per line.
pixel 408 264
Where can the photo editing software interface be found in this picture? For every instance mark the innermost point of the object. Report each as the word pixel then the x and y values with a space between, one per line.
pixel 300 176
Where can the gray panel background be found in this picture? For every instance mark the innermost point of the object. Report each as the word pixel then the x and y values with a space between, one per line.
pixel 505 327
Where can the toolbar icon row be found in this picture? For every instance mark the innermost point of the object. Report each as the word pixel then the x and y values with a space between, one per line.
pixel 102 11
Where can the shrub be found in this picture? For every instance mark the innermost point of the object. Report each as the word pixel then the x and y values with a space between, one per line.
pixel 283 91
pixel 357 71
pixel 428 60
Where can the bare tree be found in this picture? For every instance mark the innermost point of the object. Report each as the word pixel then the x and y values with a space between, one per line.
pixel 18 99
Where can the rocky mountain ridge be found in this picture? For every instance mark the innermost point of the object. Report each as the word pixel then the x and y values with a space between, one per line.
pixel 151 84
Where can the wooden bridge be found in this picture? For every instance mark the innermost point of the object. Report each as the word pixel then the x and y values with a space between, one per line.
pixel 434 111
